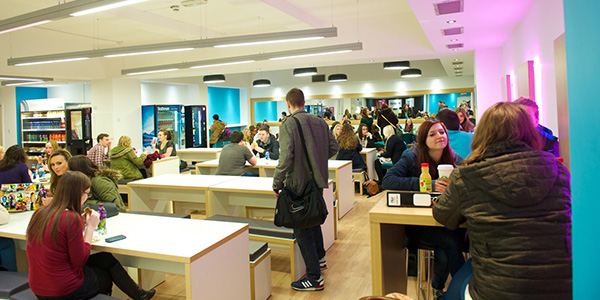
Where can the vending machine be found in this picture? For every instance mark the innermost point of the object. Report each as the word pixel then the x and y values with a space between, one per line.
pixel 79 129
pixel 195 126
pixel 156 117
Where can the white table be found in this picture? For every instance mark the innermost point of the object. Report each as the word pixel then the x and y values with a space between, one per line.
pixel 167 165
pixel 184 192
pixel 368 155
pixel 198 154
pixel 340 171
pixel 213 256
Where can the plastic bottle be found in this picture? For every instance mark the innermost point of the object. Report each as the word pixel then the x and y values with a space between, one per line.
pixel 102 224
pixel 267 156
pixel 425 179
pixel 41 172
pixel 34 170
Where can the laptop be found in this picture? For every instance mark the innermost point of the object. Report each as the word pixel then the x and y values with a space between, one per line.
pixel 22 196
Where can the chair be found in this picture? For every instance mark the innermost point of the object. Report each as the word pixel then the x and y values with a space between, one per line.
pixel 387 166
pixel 359 175
pixel 12 283
pixel 409 138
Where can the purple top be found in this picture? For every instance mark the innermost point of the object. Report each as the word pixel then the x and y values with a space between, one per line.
pixel 18 174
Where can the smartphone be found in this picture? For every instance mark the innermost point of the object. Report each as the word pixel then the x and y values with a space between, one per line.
pixel 115 238
pixel 154 141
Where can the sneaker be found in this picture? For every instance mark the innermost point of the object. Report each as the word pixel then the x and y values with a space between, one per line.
pixel 323 264
pixel 437 293
pixel 308 285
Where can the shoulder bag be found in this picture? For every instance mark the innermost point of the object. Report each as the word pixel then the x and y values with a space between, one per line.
pixel 303 210
pixel 396 128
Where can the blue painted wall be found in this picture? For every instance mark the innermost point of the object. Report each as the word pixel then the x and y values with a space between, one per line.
pixel 583 60
pixel 450 100
pixel 226 103
pixel 265 110
pixel 27 93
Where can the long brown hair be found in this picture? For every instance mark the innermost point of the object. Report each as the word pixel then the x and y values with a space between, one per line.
pixel 503 121
pixel 359 130
pixel 83 164
pixel 423 149
pixel 54 179
pixel 466 124
pixel 68 196
pixel 347 139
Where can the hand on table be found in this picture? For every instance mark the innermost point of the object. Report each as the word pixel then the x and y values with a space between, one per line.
pixel 440 186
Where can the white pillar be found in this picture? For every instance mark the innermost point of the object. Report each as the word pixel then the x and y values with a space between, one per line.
pixel 488 75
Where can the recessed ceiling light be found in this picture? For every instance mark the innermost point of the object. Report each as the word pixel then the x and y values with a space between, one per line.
pixel 454 49
pixel 456 59
pixel 454 40
pixel 451 21
pixel 370 60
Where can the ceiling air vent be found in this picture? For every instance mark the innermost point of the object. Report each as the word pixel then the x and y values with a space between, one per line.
pixel 318 78
pixel 448 7
pixel 454 46
pixel 452 31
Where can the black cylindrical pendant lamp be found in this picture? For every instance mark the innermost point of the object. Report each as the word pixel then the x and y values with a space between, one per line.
pixel 299 72
pixel 261 83
pixel 411 73
pixel 337 78
pixel 216 78
pixel 396 65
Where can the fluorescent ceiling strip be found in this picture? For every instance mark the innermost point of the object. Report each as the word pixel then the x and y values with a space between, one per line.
pixel 270 42
pixel 26 26
pixel 52 61
pixel 105 7
pixel 272 37
pixel 249 58
pixel 21 79
pixel 154 71
pixel 223 64
pixel 22 83
pixel 311 54
pixel 149 52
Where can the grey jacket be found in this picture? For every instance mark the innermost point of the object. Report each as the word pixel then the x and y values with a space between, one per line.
pixel 292 170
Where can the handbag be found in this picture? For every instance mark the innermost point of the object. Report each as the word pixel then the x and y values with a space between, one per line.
pixel 372 187
pixel 396 128
pixel 303 210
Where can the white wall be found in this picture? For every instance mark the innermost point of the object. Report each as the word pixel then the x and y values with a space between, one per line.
pixel 9 116
pixel 533 39
pixel 72 92
pixel 161 93
pixel 488 70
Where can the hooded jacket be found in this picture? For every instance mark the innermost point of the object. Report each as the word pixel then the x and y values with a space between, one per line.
pixel 517 205
pixel 104 188
pixel 216 129
pixel 272 145
pixel 124 160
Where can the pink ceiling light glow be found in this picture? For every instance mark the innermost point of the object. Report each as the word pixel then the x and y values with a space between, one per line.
pixel 512 86
pixel 537 78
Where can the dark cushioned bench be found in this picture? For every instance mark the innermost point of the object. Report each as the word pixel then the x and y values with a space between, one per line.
pixel 266 231
pixel 28 295
pixel 257 249
pixel 12 283
pixel 159 214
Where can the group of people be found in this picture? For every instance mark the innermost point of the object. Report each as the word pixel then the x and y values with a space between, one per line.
pixel 56 247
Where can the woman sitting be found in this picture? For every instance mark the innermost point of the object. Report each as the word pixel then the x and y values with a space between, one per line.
pixel 432 148
pixel 394 147
pixel 350 148
pixel 51 146
pixel 13 168
pixel 104 181
pixel 58 166
pixel 165 144
pixel 60 264
pixel 516 202
pixel 465 123
pixel 124 160
pixel 337 129
pixel 365 137
pixel 408 125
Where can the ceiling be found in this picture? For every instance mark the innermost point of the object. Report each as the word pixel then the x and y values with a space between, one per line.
pixel 389 30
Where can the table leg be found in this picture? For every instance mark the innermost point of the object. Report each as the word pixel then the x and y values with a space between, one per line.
pixel 388 258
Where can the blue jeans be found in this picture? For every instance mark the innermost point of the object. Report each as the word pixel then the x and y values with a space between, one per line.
pixel 458 285
pixel 310 241
pixel 448 257
pixel 8 257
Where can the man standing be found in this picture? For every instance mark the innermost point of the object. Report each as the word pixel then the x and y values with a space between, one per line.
pixel 292 172
pixel 216 130
pixel 550 142
pixel 99 153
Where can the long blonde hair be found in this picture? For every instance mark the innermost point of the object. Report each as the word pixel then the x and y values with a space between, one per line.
pixel 503 121
pixel 125 141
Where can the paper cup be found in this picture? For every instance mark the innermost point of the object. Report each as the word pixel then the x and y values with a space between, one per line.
pixel 444 171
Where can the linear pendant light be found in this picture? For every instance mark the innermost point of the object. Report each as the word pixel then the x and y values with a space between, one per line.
pixel 57 12
pixel 10 80
pixel 273 37
pixel 246 58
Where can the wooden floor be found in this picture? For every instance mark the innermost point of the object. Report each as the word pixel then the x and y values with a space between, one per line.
pixel 349 264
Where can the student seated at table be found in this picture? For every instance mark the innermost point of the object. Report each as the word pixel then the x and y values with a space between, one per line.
pixel 60 264
pixel 433 148
pixel 49 148
pixel 234 156
pixel 13 168
pixel 8 258
pixel 165 145
pixel 124 160
pixel 365 137
pixel 516 201
pixel 266 142
pixel 350 148
pixel 104 181
pixel 394 147
pixel 460 141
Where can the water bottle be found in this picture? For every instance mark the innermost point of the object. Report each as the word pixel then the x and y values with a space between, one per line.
pixel 267 154
pixel 41 172
pixel 102 224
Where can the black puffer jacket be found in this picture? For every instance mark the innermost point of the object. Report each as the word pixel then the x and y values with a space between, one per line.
pixel 517 205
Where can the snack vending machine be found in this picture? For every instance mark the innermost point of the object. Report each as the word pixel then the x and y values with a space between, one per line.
pixel 195 126
pixel 79 129
pixel 156 117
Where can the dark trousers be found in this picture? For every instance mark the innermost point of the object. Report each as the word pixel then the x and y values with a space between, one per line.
pixel 310 241
pixel 458 285
pixel 8 259
pixel 447 246
pixel 379 170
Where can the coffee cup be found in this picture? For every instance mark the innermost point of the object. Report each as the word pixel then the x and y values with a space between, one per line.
pixel 444 172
